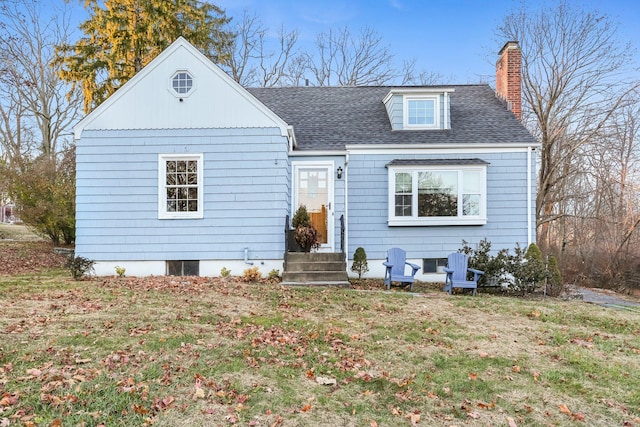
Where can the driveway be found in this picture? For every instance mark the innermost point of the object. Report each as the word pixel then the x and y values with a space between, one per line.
pixel 608 298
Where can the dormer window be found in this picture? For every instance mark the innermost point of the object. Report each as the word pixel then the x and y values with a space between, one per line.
pixel 182 83
pixel 419 108
pixel 421 112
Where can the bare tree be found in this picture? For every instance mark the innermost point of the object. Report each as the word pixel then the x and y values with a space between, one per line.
pixel 257 59
pixel 35 113
pixel 344 60
pixel 422 78
pixel 573 82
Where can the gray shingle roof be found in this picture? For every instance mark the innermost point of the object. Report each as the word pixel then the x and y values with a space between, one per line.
pixel 328 118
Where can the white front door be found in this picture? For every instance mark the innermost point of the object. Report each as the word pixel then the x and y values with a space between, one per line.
pixel 313 187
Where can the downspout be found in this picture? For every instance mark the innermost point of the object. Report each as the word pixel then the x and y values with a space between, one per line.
pixel 246 257
pixel 346 205
pixel 529 202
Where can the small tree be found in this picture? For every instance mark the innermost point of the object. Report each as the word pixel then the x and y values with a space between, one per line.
pixel 360 265
pixel 305 234
pixel 301 218
pixel 555 277
pixel 531 270
pixel 45 194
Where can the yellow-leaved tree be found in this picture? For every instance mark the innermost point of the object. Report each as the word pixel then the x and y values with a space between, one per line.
pixel 122 36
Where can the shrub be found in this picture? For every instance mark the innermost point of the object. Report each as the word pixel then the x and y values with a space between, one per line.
pixel 305 234
pixel 251 274
pixel 520 272
pixel 307 237
pixel 120 271
pixel 80 267
pixel 225 272
pixel 360 265
pixel 274 274
pixel 44 191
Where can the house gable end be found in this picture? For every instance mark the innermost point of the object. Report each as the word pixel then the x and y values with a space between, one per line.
pixel 157 98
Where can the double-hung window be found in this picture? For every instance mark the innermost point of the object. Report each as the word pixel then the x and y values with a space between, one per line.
pixel 421 112
pixel 180 186
pixel 437 192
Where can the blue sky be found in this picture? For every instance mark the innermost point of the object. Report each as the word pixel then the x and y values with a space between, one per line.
pixel 454 38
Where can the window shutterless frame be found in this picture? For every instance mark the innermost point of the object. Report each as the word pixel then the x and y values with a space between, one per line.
pixel 437 195
pixel 421 111
pixel 180 186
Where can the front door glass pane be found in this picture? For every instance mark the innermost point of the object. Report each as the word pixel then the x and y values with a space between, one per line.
pixel 313 192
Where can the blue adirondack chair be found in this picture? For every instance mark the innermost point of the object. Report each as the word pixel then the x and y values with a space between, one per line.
pixel 457 268
pixel 395 268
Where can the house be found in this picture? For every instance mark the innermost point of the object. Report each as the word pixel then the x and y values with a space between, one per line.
pixel 183 171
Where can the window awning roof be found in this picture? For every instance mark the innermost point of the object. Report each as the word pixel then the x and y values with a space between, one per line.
pixel 436 162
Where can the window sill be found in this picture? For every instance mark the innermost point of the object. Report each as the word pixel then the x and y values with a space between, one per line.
pixel 412 222
pixel 195 215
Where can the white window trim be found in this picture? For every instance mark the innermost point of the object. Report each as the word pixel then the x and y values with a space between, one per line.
pixel 162 180
pixel 170 83
pixel 436 112
pixel 414 220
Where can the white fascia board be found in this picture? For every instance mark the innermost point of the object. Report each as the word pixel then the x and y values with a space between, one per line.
pixel 417 91
pixel 317 153
pixel 181 42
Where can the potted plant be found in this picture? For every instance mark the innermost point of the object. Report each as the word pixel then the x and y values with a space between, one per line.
pixel 304 234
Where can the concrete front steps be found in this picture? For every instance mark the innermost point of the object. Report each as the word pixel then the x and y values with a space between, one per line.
pixel 313 268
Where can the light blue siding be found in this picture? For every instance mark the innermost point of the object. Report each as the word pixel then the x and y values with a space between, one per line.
pixel 246 195
pixel 395 109
pixel 368 210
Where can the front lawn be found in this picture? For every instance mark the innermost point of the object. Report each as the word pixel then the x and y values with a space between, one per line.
pixel 170 351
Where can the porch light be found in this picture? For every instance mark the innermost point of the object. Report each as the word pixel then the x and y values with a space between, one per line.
pixel 339 172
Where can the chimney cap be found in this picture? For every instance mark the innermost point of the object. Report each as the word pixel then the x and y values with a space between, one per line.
pixel 513 44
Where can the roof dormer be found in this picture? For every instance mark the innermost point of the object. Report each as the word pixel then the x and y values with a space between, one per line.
pixel 418 108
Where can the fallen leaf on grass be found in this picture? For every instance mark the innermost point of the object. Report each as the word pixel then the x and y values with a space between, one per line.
pixel 564 409
pixel 512 422
pixel 161 404
pixel 198 394
pixel 486 405
pixel 414 418
pixel 8 399
pixel 578 416
pixel 34 372
pixel 473 376
pixel 306 408
pixel 326 381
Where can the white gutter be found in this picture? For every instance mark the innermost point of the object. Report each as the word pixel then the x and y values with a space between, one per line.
pixel 371 148
pixel 317 153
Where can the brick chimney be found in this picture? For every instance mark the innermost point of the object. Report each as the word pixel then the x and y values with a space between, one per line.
pixel 508 77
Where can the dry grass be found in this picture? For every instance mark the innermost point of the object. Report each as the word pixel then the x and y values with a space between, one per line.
pixel 207 352
pixel 17 232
